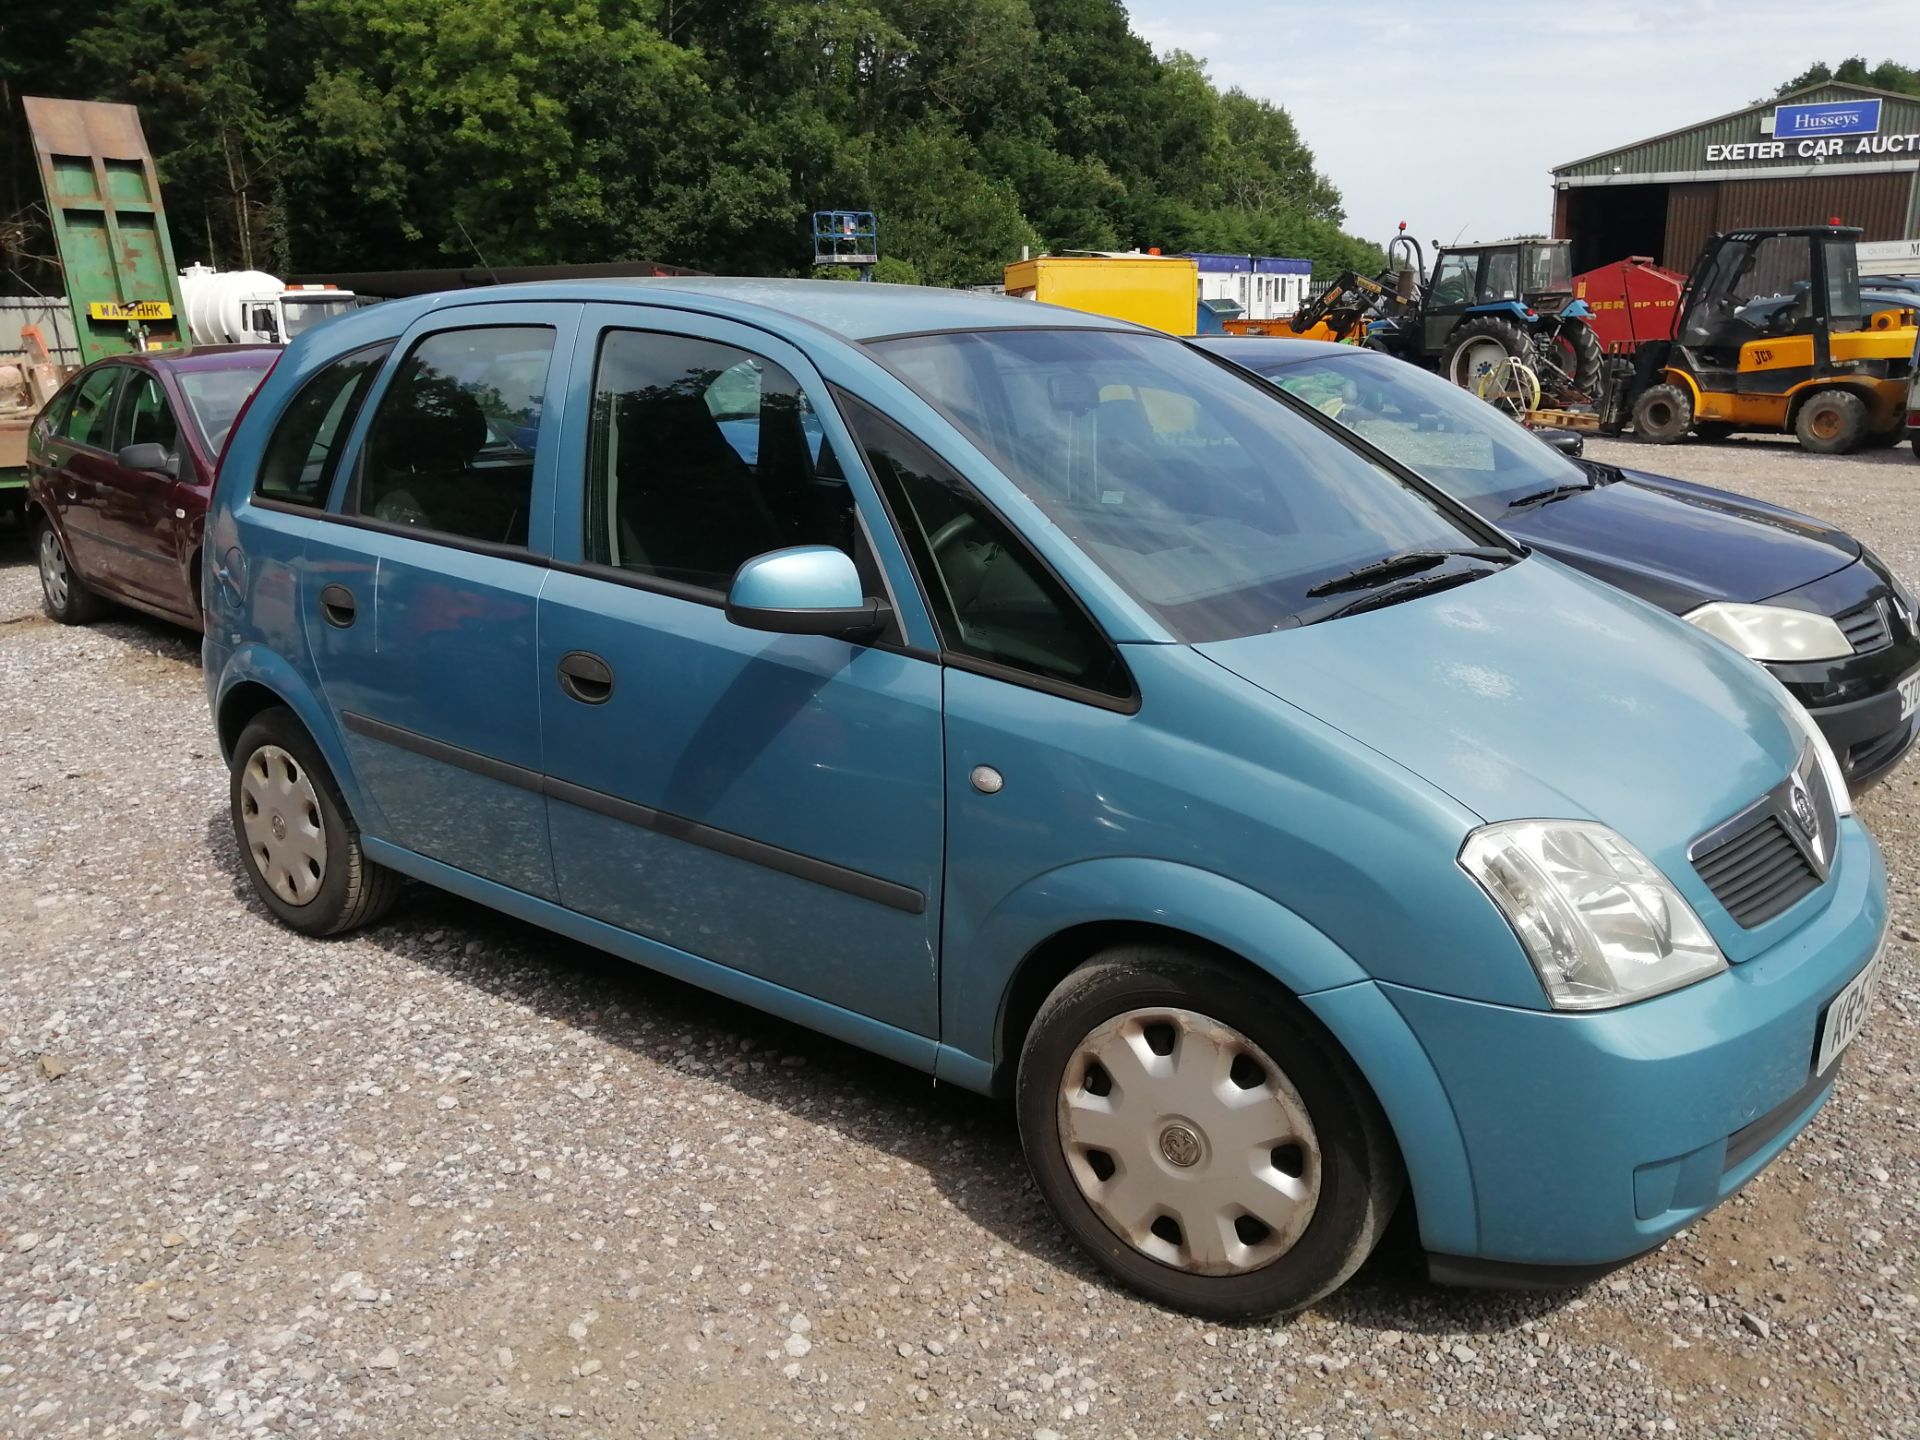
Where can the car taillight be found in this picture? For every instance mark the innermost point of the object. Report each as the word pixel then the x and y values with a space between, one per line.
pixel 241 414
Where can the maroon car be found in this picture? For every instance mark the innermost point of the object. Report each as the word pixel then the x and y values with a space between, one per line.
pixel 119 470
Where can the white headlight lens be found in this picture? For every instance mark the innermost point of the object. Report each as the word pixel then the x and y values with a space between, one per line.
pixel 1601 925
pixel 1773 632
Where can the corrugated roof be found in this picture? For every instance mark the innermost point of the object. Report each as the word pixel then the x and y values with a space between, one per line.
pixel 1664 149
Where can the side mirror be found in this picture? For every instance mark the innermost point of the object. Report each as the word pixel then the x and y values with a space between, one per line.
pixel 147 457
pixel 807 590
pixel 1570 443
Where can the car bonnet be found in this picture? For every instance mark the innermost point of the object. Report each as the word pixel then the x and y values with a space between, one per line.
pixel 1539 693
pixel 1681 546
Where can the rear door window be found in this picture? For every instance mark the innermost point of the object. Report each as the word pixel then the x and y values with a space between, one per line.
pixel 90 419
pixel 451 449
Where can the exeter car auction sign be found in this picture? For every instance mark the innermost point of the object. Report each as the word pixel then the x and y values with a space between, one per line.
pixel 1818 131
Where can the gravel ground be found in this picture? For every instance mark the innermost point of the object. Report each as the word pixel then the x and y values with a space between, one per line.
pixel 457 1176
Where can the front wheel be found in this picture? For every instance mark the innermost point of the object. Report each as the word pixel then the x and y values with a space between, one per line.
pixel 1477 346
pixel 297 840
pixel 1183 1155
pixel 1663 415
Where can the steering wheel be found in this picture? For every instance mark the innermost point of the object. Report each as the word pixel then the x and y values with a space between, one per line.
pixel 951 532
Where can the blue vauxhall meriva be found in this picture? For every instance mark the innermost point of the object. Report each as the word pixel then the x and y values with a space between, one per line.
pixel 1042 702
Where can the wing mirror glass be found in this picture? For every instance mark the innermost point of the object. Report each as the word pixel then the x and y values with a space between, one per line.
pixel 147 457
pixel 805 590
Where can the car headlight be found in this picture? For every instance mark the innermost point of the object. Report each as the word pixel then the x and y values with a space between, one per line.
pixel 1601 925
pixel 1772 632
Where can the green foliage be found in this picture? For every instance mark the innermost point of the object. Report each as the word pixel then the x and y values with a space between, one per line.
pixel 361 134
pixel 1855 71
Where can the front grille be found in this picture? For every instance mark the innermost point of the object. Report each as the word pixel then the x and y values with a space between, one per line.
pixel 1865 627
pixel 1758 871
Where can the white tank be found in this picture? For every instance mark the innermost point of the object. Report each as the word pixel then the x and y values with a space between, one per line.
pixel 217 304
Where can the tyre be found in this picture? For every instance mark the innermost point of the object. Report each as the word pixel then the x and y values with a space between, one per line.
pixel 1228 1210
pixel 1663 414
pixel 1477 345
pixel 1831 423
pixel 1715 430
pixel 1577 350
pixel 63 594
pixel 300 846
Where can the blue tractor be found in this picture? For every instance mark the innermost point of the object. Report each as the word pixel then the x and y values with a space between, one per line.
pixel 1487 303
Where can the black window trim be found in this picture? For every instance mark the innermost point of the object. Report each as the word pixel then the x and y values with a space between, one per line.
pixel 1127 704
pixel 350 495
pixel 866 558
pixel 381 348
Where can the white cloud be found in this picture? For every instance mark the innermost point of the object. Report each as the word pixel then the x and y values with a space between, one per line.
pixel 1450 116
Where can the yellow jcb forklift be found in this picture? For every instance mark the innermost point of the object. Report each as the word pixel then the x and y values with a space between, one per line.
pixel 1772 334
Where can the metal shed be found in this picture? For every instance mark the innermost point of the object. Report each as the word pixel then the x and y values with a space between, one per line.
pixel 1820 153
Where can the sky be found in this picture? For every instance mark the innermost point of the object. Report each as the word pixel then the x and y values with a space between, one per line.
pixel 1451 114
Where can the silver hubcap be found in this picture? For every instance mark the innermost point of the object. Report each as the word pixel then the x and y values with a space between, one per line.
pixel 1477 358
pixel 53 569
pixel 280 814
pixel 1189 1142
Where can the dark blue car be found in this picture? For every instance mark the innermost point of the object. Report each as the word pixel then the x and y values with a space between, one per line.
pixel 1809 602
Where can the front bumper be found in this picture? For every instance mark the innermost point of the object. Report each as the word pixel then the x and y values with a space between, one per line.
pixel 1592 1137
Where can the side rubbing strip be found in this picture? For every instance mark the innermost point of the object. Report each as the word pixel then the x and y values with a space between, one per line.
pixel 678 827
pixel 434 749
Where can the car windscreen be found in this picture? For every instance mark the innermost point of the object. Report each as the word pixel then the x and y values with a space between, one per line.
pixel 303 315
pixel 215 396
pixel 1439 431
pixel 1210 502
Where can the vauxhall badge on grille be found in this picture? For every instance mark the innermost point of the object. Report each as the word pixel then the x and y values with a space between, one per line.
pixel 1801 804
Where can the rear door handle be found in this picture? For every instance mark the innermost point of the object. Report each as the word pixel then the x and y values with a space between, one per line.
pixel 339 606
pixel 586 677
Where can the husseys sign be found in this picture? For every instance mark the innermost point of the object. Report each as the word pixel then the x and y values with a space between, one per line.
pixel 1818 131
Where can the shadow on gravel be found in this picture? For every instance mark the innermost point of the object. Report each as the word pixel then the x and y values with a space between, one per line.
pixel 965 1144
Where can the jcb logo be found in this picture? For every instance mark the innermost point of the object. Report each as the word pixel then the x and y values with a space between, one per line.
pixel 1763 357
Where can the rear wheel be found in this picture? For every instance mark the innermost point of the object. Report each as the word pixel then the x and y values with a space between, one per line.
pixel 1176 1147
pixel 1663 415
pixel 1477 346
pixel 63 594
pixel 297 840
pixel 1831 423
pixel 1577 350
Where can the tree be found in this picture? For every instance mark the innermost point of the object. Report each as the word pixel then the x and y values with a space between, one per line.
pixel 1887 75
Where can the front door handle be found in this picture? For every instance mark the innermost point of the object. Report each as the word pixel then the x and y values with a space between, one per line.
pixel 586 677
pixel 339 606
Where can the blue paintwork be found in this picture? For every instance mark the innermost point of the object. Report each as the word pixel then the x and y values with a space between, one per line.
pixel 1576 310
pixel 1296 798
pixel 1601 1095
pixel 807 577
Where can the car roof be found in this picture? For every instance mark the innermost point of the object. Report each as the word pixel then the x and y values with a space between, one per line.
pixel 202 357
pixel 855 311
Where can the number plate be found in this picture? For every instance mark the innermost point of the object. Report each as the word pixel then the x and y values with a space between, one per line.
pixel 130 310
pixel 1845 1016
pixel 1909 694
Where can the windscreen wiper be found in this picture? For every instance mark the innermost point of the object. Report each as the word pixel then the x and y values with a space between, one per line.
pixel 1406 562
pixel 1550 494
pixel 1405 590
